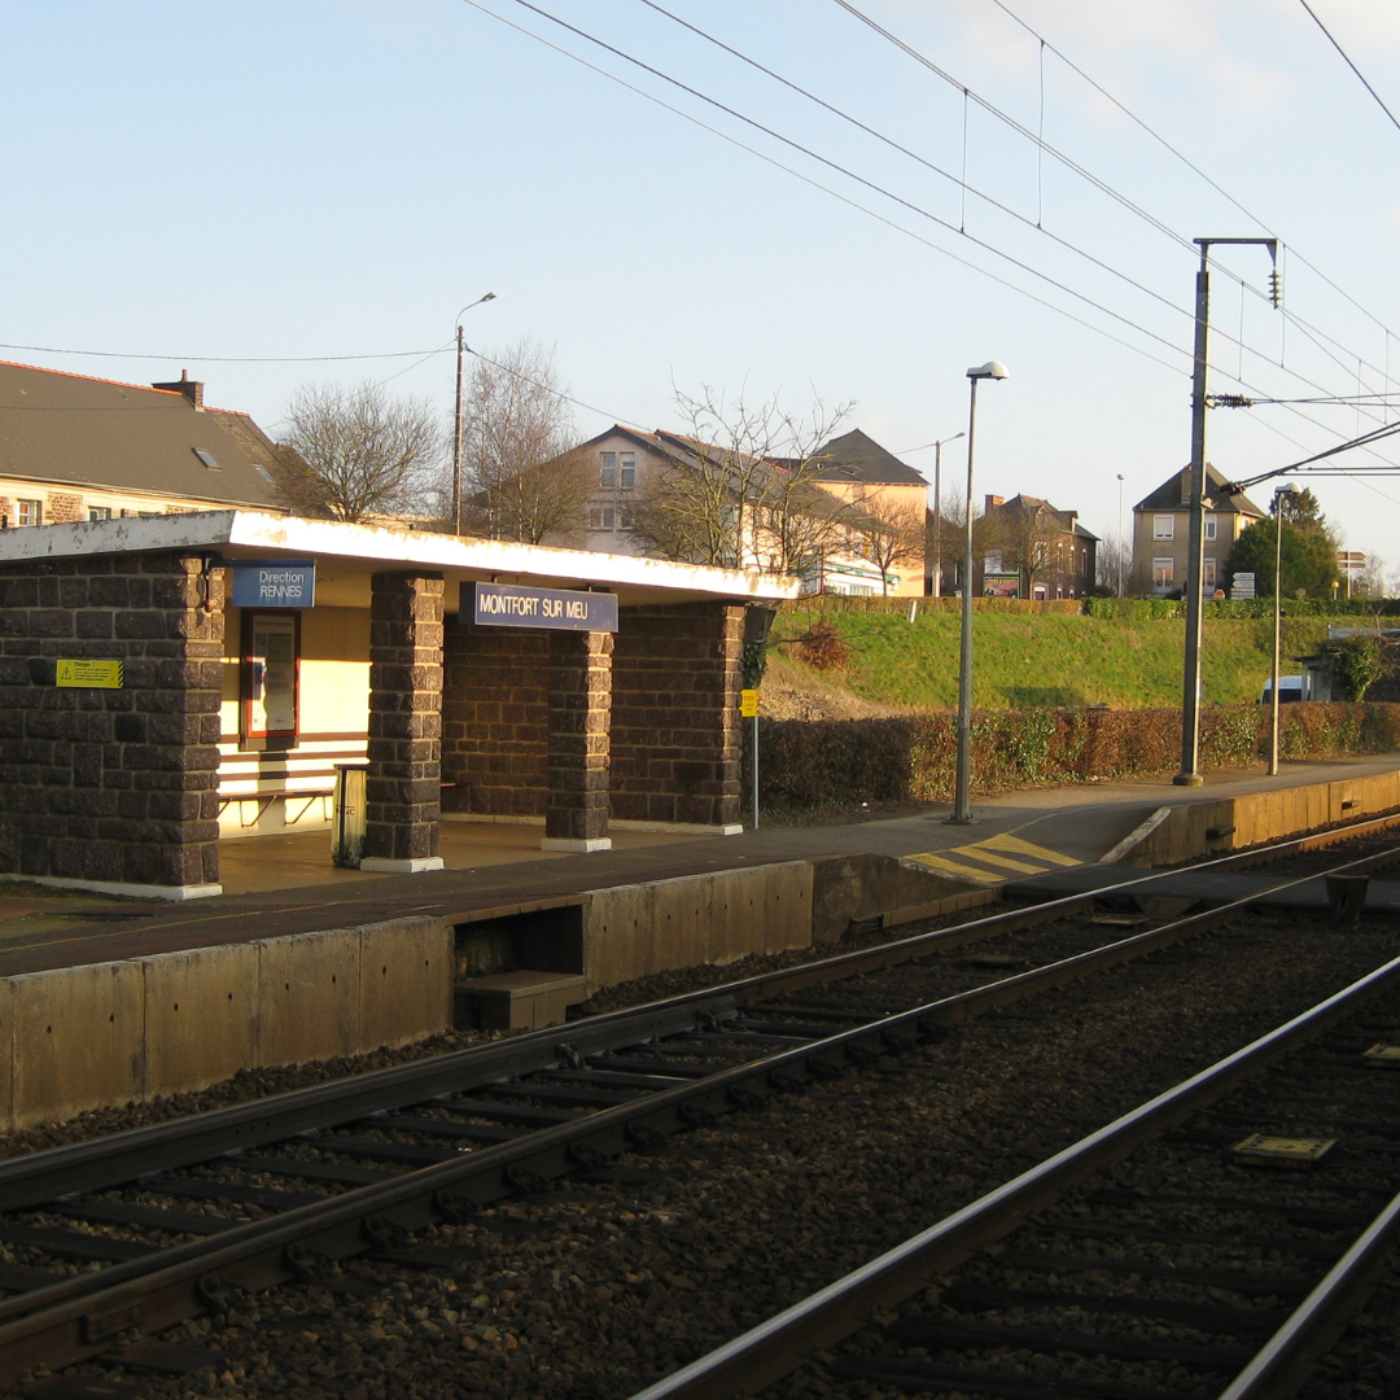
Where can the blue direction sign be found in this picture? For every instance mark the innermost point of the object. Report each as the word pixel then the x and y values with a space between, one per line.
pixel 274 583
pixel 514 605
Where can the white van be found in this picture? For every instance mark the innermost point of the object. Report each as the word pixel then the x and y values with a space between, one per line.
pixel 1290 688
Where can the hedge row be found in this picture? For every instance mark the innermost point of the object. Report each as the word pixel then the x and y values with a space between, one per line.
pixel 1111 609
pixel 1148 609
pixel 806 764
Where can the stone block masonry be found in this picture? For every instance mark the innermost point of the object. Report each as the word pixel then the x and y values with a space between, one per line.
pixel 495 720
pixel 403 786
pixel 675 713
pixel 580 702
pixel 112 789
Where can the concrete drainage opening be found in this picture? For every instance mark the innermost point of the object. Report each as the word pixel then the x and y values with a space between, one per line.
pixel 519 970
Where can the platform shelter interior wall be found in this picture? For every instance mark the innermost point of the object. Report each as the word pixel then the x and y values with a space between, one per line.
pixel 268 790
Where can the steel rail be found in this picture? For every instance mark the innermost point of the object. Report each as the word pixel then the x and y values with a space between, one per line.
pixel 91 1306
pixel 73 1320
pixel 762 1355
pixel 1289 1356
pixel 108 1161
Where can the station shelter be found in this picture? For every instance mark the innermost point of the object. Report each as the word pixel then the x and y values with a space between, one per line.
pixel 170 682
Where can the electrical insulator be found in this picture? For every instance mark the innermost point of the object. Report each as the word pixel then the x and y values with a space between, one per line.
pixel 1275 288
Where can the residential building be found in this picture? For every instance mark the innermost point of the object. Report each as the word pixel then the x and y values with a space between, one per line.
pixel 791 516
pixel 1026 548
pixel 1161 534
pixel 74 448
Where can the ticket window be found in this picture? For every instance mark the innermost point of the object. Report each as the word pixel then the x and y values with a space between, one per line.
pixel 271 678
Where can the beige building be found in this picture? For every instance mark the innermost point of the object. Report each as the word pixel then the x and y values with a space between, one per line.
pixel 73 448
pixel 1161 532
pixel 850 480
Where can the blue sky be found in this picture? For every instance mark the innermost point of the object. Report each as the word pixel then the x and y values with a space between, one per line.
pixel 337 177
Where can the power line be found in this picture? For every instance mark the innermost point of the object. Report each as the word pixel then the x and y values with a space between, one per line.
pixel 1185 160
pixel 1350 64
pixel 220 359
pixel 846 199
pixel 962 183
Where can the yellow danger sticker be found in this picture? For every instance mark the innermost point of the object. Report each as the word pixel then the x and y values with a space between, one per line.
pixel 92 675
pixel 748 704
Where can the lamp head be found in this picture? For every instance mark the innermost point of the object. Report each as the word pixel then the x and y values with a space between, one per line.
pixel 993 369
pixel 1287 488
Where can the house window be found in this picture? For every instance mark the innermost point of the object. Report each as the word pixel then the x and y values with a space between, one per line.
pixel 603 518
pixel 607 474
pixel 1208 574
pixel 624 517
pixel 99 512
pixel 270 679
pixel 29 512
pixel 1162 573
pixel 627 470
pixel 1210 527
pixel 1163 527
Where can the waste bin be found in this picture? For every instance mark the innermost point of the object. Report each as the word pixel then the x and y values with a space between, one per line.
pixel 348 823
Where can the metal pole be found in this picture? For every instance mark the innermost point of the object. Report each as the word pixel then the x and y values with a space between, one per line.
pixel 937 589
pixel 457 443
pixel 1195 548
pixel 755 772
pixel 962 792
pixel 1120 534
pixel 1278 630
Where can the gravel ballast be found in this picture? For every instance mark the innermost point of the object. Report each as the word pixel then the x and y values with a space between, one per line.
pixel 598 1289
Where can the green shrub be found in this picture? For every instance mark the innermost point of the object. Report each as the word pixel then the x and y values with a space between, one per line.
pixel 807 764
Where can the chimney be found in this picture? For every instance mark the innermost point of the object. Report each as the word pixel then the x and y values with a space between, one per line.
pixel 993 502
pixel 192 389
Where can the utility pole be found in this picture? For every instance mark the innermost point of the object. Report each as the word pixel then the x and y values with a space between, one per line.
pixel 457 417
pixel 937 589
pixel 1195 546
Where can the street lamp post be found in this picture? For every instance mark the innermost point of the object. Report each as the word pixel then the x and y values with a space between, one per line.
pixel 962 792
pixel 1120 534
pixel 937 589
pixel 457 417
pixel 1281 493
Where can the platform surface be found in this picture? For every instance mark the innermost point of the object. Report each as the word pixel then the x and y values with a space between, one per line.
pixel 286 884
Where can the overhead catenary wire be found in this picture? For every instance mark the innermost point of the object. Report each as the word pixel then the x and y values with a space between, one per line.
pixel 834 194
pixel 803 149
pixel 835 166
pixel 1347 59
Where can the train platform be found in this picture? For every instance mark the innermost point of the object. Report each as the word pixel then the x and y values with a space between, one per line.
pixel 282 885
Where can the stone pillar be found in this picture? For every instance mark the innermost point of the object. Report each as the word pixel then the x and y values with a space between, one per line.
pixel 675 731
pixel 111 787
pixel 403 786
pixel 580 711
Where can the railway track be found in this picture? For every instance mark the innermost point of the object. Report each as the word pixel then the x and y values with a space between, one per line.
pixel 122 1237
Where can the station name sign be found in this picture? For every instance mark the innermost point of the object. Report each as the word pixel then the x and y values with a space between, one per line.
pixel 273 583
pixel 566 609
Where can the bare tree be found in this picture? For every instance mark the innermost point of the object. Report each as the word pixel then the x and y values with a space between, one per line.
pixel 739 488
pixel 1113 562
pixel 892 533
pixel 525 480
pixel 355 452
pixel 1026 533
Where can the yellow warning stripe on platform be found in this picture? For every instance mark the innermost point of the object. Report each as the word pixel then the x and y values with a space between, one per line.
pixel 1028 848
pixel 989 853
pixel 951 867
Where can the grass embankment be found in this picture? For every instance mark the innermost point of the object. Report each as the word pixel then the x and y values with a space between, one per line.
pixel 1045 659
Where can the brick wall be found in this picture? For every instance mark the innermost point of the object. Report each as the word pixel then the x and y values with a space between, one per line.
pixel 111 785
pixel 495 720
pixel 64 508
pixel 675 713
pixel 403 785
